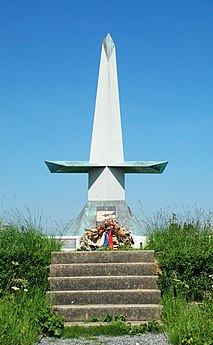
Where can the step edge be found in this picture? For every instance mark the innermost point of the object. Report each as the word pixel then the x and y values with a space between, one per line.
pixel 103 306
pixel 102 323
pixel 104 291
pixel 103 277
pixel 105 263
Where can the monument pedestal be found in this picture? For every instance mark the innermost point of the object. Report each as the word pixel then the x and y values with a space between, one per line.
pixel 98 211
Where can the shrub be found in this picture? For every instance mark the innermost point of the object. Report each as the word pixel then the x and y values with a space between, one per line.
pixel 24 315
pixel 25 257
pixel 188 324
pixel 185 255
pixel 24 264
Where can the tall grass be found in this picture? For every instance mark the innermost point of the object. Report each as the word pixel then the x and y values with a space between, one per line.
pixel 185 253
pixel 188 323
pixel 24 264
pixel 24 315
pixel 25 257
pixel 18 316
pixel 162 217
pixel 184 250
pixel 33 219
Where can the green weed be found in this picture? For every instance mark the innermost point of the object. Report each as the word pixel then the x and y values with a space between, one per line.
pixel 24 315
pixel 24 264
pixel 108 317
pixel 187 323
pixel 113 328
pixel 25 257
pixel 184 250
pixel 185 255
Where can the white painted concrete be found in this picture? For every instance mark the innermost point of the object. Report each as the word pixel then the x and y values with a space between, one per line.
pixel 107 145
pixel 108 185
pixel 106 167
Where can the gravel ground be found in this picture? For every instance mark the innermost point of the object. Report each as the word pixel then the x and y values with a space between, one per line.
pixel 147 339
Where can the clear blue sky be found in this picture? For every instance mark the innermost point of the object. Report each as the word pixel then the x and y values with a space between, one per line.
pixel 49 61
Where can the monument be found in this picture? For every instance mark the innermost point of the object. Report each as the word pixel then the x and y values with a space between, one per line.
pixel 106 167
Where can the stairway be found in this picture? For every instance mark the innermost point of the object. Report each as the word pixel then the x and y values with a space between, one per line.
pixel 84 284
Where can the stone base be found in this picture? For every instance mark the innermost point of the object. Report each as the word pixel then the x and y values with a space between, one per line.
pixel 88 217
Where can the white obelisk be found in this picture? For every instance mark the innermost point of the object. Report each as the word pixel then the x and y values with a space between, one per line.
pixel 107 145
pixel 106 166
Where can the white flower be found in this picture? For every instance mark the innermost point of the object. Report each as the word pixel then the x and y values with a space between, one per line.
pixel 15 288
pixel 25 290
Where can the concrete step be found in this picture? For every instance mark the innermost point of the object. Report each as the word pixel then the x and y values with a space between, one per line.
pixel 133 312
pixel 135 296
pixel 103 269
pixel 106 256
pixel 84 284
pixel 102 283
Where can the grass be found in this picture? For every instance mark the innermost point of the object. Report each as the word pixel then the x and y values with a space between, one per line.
pixel 16 326
pixel 25 315
pixel 24 264
pixel 18 317
pixel 114 328
pixel 188 323
pixel 111 329
pixel 185 254
pixel 25 257
pixel 184 249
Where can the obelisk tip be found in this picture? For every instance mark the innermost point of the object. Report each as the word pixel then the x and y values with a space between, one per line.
pixel 108 46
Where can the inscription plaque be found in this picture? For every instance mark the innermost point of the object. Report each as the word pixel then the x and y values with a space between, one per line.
pixel 104 213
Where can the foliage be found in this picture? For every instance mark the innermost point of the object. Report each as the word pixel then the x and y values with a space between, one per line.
pixel 113 328
pixel 109 317
pixel 184 250
pixel 16 327
pixel 93 318
pixel 126 247
pixel 24 315
pixel 188 323
pixel 24 264
pixel 25 257
pixel 185 254
pixel 121 317
pixel 48 322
